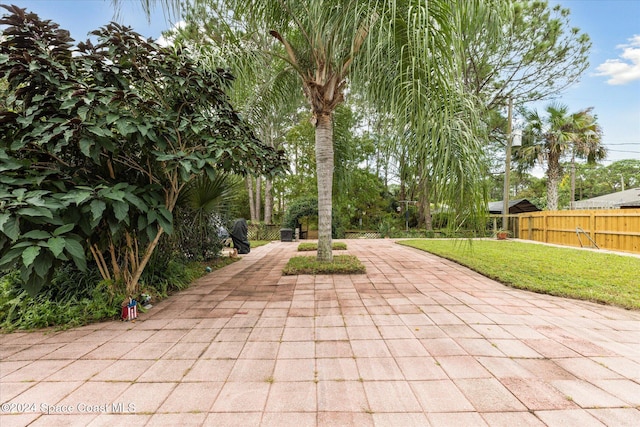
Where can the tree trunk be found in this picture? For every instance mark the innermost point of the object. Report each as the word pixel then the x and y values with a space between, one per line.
pixel 132 285
pixel 403 191
pixel 252 207
pixel 268 201
pixel 426 191
pixel 324 166
pixel 553 180
pixel 258 205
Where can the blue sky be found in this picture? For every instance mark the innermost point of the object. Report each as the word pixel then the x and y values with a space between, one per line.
pixel 611 85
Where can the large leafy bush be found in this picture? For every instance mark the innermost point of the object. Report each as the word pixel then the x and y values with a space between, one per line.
pixel 98 141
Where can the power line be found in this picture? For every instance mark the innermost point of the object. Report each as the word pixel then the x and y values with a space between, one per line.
pixel 625 151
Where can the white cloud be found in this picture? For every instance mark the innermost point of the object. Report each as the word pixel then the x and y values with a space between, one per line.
pixel 166 41
pixel 626 69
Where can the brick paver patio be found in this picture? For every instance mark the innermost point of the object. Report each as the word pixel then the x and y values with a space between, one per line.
pixel 417 341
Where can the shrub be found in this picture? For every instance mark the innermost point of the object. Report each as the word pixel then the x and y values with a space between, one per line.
pixel 59 303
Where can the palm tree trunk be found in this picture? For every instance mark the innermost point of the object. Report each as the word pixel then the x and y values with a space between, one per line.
pixel 553 180
pixel 324 166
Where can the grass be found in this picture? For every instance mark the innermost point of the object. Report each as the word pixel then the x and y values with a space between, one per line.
pixel 587 275
pixel 342 264
pixel 256 243
pixel 313 246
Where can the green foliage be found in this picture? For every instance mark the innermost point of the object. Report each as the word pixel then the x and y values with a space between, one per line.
pixel 257 243
pixel 71 299
pixel 598 180
pixel 588 275
pixel 97 142
pixel 162 280
pixel 300 208
pixel 202 208
pixel 308 207
pixel 363 201
pixel 537 54
pixel 555 136
pixel 592 180
pixel 407 57
pixel 341 264
pixel 74 298
pixel 299 145
pixel 3 95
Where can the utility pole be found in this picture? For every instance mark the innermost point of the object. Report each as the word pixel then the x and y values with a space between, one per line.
pixel 507 169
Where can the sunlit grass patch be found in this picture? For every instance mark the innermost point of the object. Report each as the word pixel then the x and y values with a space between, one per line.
pixel 588 275
pixel 342 264
pixel 313 246
pixel 257 243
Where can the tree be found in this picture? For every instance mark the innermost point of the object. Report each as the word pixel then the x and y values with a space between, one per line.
pixel 547 139
pixel 624 174
pixel 260 90
pixel 203 207
pixel 407 56
pixel 3 94
pixel 587 144
pixel 98 142
pixel 597 180
pixel 537 55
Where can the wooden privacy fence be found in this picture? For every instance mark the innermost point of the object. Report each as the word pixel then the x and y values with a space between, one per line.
pixel 612 229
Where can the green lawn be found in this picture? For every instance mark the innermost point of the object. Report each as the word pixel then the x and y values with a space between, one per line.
pixel 257 243
pixel 588 275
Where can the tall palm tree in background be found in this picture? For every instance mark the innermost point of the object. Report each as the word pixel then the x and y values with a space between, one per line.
pixel 587 144
pixel 406 57
pixel 549 138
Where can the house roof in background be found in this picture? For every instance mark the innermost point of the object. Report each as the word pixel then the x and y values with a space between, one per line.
pixel 627 198
pixel 515 206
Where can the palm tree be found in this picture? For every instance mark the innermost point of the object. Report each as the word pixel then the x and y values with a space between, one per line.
pixel 405 55
pixel 587 144
pixel 549 138
pixel 203 207
pixel 319 44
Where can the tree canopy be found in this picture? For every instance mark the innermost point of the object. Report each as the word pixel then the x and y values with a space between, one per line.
pixel 538 55
pixel 551 137
pixel 407 58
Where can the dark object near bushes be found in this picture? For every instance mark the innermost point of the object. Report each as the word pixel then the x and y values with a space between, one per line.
pixel 286 235
pixel 239 236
